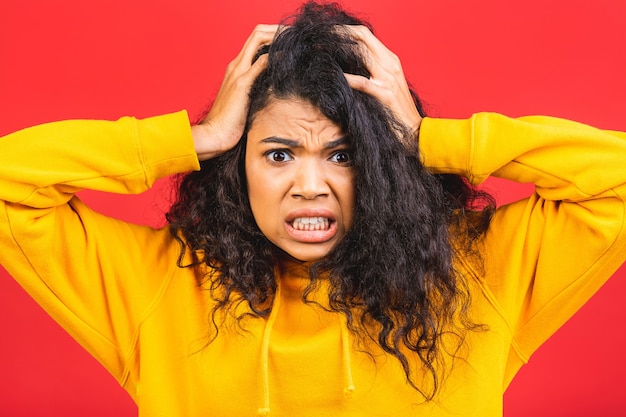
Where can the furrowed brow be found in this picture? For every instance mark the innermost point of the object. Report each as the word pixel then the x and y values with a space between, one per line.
pixel 345 140
pixel 282 141
pixel 291 143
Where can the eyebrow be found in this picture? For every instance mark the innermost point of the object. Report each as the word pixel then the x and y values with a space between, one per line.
pixel 291 143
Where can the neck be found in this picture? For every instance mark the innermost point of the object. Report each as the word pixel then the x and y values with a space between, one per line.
pixel 293 275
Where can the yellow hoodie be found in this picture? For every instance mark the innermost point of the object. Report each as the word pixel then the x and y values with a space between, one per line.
pixel 115 286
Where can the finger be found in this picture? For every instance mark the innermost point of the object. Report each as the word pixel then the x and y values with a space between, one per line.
pixel 402 105
pixel 260 36
pixel 381 59
pixel 244 82
pixel 257 68
pixel 365 85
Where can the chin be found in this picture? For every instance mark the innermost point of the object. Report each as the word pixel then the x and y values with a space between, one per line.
pixel 309 255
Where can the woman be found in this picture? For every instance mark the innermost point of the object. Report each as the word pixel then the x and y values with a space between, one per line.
pixel 339 275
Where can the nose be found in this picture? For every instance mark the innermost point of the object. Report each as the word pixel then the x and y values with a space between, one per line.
pixel 310 180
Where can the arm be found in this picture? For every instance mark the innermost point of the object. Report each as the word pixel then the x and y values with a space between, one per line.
pixel 86 270
pixel 565 160
pixel 546 255
pixel 45 165
pixel 95 275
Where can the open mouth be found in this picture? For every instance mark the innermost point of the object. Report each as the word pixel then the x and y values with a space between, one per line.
pixel 312 226
pixel 311 223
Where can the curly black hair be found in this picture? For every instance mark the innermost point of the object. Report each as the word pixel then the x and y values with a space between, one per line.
pixel 393 274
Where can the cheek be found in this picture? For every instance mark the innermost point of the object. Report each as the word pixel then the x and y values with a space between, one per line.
pixel 255 188
pixel 264 202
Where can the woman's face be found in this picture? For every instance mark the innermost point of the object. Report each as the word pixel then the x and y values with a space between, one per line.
pixel 300 178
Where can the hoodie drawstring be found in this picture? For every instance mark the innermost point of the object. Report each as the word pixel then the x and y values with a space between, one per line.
pixel 264 411
pixel 347 359
pixel 349 388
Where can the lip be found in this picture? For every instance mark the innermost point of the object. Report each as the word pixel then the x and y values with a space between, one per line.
pixel 310 212
pixel 311 236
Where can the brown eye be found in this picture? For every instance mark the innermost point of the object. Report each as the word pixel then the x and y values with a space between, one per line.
pixel 278 156
pixel 342 157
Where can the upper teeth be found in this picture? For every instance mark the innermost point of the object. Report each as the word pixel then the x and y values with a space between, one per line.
pixel 309 220
pixel 310 223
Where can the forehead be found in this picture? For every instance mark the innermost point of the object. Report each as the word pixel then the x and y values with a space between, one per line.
pixel 292 117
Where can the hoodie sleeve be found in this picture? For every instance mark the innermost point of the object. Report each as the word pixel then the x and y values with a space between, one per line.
pixel 545 255
pixel 94 275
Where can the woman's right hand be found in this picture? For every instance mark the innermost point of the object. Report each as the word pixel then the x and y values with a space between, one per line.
pixel 222 128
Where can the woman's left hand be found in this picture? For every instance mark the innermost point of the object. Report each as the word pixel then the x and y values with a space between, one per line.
pixel 387 82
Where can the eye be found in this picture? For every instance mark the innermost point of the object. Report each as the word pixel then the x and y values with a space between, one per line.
pixel 278 156
pixel 343 157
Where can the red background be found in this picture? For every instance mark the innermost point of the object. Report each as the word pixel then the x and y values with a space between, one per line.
pixel 77 59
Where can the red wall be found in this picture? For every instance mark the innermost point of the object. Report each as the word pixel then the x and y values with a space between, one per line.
pixel 77 59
